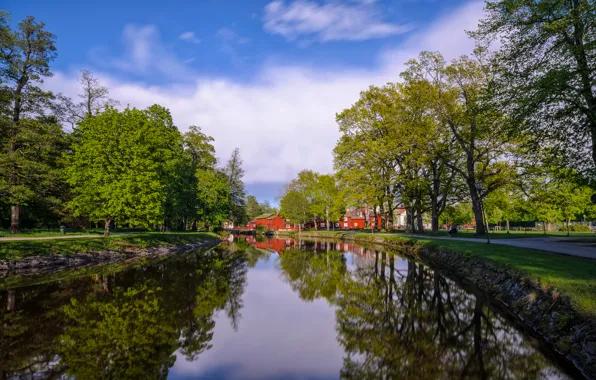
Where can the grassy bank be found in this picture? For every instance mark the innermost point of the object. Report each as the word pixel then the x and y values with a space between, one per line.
pixel 573 276
pixel 124 243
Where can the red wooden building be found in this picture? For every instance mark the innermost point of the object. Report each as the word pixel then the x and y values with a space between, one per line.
pixel 356 219
pixel 273 222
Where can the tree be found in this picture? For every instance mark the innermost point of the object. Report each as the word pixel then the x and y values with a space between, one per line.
pixel 294 207
pixel 462 103
pixel 33 171
pixel 94 99
pixel 235 173
pixel 327 200
pixel 25 54
pixel 546 78
pixel 458 214
pixel 253 208
pixel 123 165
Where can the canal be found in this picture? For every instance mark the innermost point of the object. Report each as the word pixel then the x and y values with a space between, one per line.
pixel 261 309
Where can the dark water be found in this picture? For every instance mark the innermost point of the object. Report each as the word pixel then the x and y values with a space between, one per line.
pixel 314 311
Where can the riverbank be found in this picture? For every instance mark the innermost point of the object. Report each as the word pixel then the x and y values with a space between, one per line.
pixel 552 294
pixel 18 257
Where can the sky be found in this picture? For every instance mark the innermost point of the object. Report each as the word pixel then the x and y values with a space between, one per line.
pixel 265 76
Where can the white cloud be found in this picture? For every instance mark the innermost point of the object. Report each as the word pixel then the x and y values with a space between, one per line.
pixel 146 54
pixel 190 37
pixel 283 120
pixel 333 21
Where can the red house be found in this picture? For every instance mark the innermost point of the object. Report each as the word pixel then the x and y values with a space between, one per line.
pixel 356 219
pixel 272 222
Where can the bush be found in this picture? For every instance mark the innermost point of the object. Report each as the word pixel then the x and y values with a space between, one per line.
pixel 577 228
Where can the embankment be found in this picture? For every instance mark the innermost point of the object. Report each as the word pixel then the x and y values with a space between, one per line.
pixel 549 313
pixel 48 263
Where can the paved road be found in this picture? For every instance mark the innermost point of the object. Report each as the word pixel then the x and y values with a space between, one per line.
pixel 563 245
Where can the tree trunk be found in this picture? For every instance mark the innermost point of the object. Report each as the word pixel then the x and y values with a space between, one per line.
pixel 14 218
pixel 410 219
pixel 106 228
pixel 507 226
pixel 419 218
pixel 11 300
pixel 327 219
pixel 477 209
pixel 434 214
pixel 568 232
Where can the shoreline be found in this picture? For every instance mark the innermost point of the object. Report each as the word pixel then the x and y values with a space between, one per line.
pixel 549 315
pixel 33 265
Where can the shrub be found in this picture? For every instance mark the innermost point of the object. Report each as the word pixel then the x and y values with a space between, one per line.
pixel 577 228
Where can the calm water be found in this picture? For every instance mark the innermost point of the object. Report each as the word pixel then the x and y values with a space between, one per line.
pixel 313 311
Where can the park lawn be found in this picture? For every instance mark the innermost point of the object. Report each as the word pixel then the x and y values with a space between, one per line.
pixel 126 243
pixel 512 234
pixel 573 276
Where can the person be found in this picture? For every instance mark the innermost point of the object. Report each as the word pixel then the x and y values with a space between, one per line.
pixel 453 230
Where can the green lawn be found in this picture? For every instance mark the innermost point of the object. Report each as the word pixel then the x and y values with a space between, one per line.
pixel 512 234
pixel 129 242
pixel 56 232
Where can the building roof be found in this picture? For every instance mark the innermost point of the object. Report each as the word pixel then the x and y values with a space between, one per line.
pixel 266 216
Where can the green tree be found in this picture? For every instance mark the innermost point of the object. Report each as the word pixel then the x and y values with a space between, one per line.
pixel 235 173
pixel 546 77
pixel 25 55
pixel 294 207
pixel 123 166
pixel 462 103
pixel 253 207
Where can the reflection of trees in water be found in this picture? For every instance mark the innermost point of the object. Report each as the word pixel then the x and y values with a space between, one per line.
pixel 411 323
pixel 127 325
pixel 313 275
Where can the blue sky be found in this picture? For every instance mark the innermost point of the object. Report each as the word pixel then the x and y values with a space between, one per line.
pixel 266 76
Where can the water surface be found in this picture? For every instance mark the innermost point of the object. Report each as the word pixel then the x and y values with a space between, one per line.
pixel 261 309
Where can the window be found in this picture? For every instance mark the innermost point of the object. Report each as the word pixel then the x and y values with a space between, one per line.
pixel 355 224
pixel 345 224
pixel 287 226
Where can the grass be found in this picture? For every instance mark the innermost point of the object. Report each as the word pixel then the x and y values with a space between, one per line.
pixel 125 243
pixel 56 232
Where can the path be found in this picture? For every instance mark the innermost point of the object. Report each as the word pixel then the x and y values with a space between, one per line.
pixel 562 245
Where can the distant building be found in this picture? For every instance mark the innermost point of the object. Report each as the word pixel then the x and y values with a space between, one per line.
pixel 272 221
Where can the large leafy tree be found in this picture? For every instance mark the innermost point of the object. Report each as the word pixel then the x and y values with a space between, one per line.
pixel 123 166
pixel 547 73
pixel 294 207
pixel 487 159
pixel 25 55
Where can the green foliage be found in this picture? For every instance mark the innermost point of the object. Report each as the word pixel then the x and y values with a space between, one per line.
pixel 122 165
pixel 235 173
pixel 545 75
pixel 254 208
pixel 294 207
pixel 576 228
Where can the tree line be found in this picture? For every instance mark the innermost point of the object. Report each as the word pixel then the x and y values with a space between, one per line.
pixel 126 167
pixel 507 131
